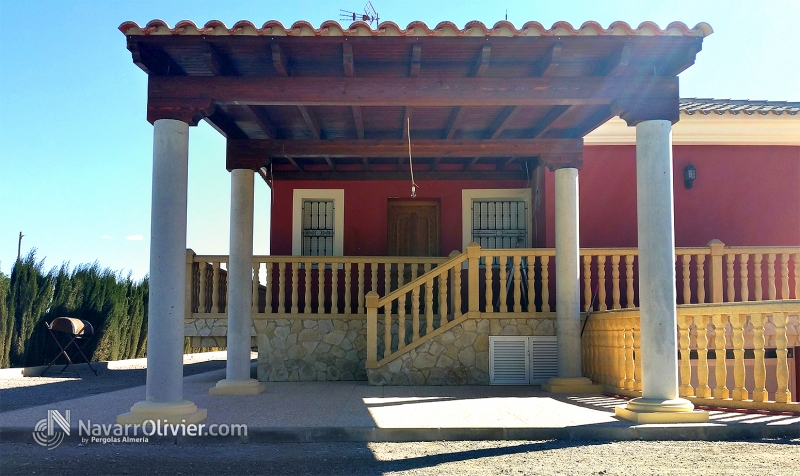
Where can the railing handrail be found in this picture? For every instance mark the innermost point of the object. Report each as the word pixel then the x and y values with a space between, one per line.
pixel 422 279
pixel 329 259
pixel 711 308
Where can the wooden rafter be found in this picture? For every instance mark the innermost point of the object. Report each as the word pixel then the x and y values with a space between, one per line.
pixel 347 60
pixel 545 123
pixel 279 61
pixel 507 163
pixel 262 120
pixel 416 59
pixel 478 69
pixel 549 62
pixel 310 121
pixel 501 121
pixel 616 63
pixel 294 162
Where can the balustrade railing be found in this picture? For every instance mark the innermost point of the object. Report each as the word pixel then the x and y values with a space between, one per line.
pixel 731 354
pixel 505 281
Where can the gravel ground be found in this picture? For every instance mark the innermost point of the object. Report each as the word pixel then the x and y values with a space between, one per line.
pixel 437 458
pixel 25 392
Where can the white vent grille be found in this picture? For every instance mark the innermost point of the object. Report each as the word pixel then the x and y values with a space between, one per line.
pixel 508 360
pixel 521 360
pixel 544 361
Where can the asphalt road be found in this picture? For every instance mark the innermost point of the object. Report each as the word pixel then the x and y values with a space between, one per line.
pixel 774 458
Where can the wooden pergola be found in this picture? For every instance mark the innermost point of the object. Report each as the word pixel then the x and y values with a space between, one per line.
pixel 340 103
pixel 335 102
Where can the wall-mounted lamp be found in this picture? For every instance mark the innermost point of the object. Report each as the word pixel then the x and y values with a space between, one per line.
pixel 689 175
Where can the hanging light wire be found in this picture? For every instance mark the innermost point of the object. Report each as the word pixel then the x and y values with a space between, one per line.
pixel 410 163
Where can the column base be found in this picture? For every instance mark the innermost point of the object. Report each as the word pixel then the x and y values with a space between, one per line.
pixel 571 385
pixel 177 413
pixel 656 410
pixel 237 387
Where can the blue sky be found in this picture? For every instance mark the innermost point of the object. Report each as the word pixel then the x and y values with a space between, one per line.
pixel 76 150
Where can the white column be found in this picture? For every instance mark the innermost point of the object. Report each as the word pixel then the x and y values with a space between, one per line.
pixel 568 298
pixel 240 285
pixel 657 300
pixel 164 390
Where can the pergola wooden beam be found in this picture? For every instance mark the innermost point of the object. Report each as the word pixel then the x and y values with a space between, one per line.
pixel 259 152
pixel 422 92
pixel 478 69
pixel 416 60
pixel 616 63
pixel 279 61
pixel 310 121
pixel 401 175
pixel 549 62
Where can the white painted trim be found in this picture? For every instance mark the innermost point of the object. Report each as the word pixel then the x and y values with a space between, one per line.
pixel 710 129
pixel 300 194
pixel 468 195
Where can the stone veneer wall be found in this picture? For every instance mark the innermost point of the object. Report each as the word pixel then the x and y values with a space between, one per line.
pixel 458 356
pixel 311 349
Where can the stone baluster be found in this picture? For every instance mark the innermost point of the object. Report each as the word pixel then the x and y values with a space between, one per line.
pixel 401 322
pixel 321 287
pixel 256 284
pixel 360 288
pixel 334 288
pixel 637 355
pixel 215 287
pixel 387 278
pixel 268 277
pixel 731 290
pixel 771 276
pixel 348 291
pixel 701 278
pixel 758 285
pixel 488 276
pixel 415 292
pixel 629 375
pixel 782 394
pixel 629 296
pixel 295 291
pixel 456 291
pixel 739 391
pixel 531 262
pixel 759 367
pixel 619 335
pixel 745 290
pixel 684 324
pixel 615 293
pixel 797 283
pixel 517 261
pixel 387 330
pixel 720 351
pixel 601 281
pixel 428 306
pixel 443 314
pixel 587 282
pixel 373 267
pixel 281 287
pixel 703 390
pixel 372 329
pixel 687 290
pixel 202 304
pixel 502 274
pixel 545 260
pixel 784 276
pixel 307 271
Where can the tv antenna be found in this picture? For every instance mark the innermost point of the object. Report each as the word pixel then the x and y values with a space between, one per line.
pixel 369 15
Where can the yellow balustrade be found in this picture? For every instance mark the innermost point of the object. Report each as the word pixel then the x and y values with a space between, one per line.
pixel 748 329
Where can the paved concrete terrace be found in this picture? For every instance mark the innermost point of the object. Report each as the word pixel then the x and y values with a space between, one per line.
pixel 355 411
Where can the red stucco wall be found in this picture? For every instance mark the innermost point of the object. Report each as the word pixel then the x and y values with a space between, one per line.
pixel 743 195
pixel 365 205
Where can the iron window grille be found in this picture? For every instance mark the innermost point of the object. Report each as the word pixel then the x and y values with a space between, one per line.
pixel 318 230
pixel 500 224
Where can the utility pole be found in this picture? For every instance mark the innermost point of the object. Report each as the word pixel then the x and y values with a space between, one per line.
pixel 19 246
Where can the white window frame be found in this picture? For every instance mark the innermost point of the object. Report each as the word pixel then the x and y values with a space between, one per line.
pixel 300 194
pixel 470 195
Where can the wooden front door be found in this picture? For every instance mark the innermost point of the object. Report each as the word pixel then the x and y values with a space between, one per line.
pixel 413 228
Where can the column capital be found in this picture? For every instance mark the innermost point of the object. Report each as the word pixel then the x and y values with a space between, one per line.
pixel 634 111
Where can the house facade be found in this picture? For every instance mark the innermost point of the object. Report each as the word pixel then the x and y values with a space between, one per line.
pixel 428 218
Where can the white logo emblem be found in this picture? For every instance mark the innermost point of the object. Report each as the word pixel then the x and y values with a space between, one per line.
pixel 45 433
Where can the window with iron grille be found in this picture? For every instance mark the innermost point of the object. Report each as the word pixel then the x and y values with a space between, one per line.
pixel 318 230
pixel 500 223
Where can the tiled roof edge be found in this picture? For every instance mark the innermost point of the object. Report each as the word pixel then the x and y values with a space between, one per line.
pixel 708 106
pixel 416 28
